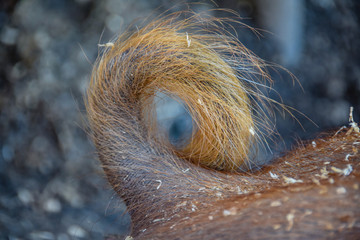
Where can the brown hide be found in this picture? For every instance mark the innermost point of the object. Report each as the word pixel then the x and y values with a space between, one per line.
pixel 316 196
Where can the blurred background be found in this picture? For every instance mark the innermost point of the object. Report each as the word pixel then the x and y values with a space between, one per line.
pixel 51 184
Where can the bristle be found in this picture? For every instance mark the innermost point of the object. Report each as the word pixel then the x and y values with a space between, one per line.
pixel 194 60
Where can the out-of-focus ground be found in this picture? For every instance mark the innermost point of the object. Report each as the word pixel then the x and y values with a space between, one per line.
pixel 51 184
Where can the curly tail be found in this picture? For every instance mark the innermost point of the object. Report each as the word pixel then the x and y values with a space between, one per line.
pixel 193 61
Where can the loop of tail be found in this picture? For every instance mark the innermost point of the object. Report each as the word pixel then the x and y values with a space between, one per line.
pixel 190 60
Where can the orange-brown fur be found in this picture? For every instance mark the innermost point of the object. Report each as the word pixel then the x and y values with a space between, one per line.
pixel 172 193
pixel 324 205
